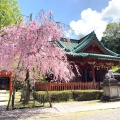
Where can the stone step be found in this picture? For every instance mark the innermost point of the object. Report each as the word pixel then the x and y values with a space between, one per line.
pixel 3 103
pixel 3 97
pixel 2 91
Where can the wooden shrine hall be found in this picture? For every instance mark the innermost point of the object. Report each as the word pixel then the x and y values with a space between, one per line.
pixel 93 60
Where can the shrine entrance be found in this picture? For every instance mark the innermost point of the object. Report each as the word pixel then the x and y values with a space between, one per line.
pixel 5 80
pixel 99 75
pixel 88 75
pixel 4 83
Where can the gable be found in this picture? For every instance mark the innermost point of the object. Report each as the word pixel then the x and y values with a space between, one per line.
pixel 94 47
pixel 86 45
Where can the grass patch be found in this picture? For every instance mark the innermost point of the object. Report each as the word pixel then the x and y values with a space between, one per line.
pixel 57 96
pixel 31 104
pixel 19 104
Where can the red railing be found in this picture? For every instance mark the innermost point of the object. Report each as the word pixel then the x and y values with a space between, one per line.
pixel 67 86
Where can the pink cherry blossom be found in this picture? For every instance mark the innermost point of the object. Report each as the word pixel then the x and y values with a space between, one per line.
pixel 33 46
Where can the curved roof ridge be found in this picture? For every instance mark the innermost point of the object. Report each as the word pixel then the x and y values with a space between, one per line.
pixel 113 53
pixel 61 44
pixel 108 51
pixel 84 41
pixel 99 56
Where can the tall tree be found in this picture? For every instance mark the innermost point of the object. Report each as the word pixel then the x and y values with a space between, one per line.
pixel 9 12
pixel 33 45
pixel 111 37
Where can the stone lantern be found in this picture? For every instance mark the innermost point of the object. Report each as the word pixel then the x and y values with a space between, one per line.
pixel 110 88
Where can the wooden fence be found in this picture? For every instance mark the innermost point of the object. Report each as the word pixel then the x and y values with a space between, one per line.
pixel 67 86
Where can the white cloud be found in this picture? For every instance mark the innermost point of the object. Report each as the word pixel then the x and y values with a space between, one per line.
pixel 112 10
pixel 93 20
pixel 70 34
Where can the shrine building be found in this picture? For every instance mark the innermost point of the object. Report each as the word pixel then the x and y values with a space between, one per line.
pixel 93 60
pixel 91 56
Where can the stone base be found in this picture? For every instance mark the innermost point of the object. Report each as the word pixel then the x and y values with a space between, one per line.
pixel 109 99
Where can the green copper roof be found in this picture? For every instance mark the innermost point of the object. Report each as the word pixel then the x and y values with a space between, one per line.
pixel 69 46
pixel 99 56
pixel 75 48
pixel 84 42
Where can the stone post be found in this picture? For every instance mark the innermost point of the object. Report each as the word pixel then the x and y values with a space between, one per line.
pixel 110 88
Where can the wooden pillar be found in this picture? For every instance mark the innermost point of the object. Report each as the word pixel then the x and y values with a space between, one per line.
pixel 93 76
pixel 10 85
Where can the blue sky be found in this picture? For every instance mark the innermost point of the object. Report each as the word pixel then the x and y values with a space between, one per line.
pixel 76 13
pixel 63 10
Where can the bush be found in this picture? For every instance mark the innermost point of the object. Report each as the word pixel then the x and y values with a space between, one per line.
pixel 56 96
pixel 60 96
pixel 77 95
pixel 84 95
pixel 19 85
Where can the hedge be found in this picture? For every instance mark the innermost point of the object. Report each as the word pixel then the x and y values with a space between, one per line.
pixel 60 96
pixel 56 96
pixel 76 95
pixel 84 95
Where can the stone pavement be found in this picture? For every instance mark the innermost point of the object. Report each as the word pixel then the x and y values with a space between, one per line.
pixel 61 109
pixel 3 97
pixel 85 106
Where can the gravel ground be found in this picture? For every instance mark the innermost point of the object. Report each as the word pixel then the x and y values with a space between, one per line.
pixel 53 114
pixel 109 114
pixel 92 110
pixel 86 110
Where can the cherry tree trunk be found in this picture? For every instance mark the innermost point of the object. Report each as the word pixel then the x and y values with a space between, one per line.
pixel 49 98
pixel 12 95
pixel 26 93
pixel 26 89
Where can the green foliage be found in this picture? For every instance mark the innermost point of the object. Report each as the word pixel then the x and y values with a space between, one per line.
pixel 115 68
pixel 112 30
pixel 56 96
pixel 111 37
pixel 60 96
pixel 77 95
pixel 19 85
pixel 9 12
pixel 84 95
